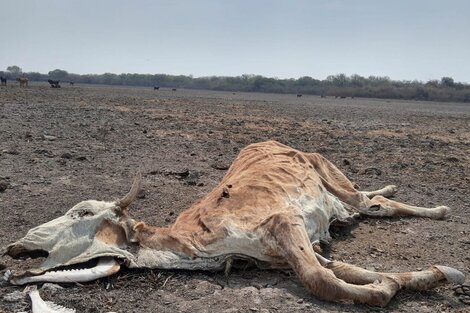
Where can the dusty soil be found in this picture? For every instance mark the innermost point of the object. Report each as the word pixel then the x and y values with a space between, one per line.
pixel 61 146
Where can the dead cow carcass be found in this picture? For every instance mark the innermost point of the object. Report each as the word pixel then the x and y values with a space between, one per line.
pixel 271 206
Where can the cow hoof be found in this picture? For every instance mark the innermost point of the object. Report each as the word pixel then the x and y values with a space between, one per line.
pixel 441 212
pixel 390 190
pixel 452 275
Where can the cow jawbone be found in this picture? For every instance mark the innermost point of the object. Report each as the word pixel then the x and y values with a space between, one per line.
pixel 106 266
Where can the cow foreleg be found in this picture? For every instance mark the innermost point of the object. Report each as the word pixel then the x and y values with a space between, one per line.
pixel 381 206
pixel 287 237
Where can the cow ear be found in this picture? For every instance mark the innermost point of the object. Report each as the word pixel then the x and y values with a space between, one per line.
pixel 132 194
pixel 139 226
pixel 135 231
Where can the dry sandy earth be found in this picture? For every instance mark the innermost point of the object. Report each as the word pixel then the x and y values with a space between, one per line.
pixel 184 140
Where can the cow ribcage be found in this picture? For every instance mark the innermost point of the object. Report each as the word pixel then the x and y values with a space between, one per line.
pixel 319 212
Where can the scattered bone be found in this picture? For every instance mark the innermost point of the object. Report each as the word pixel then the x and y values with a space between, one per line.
pixel 40 306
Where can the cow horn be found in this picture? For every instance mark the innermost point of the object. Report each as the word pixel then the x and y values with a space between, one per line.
pixel 132 194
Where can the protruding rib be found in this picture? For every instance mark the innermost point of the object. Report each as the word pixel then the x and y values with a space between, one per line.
pixel 104 268
pixel 40 306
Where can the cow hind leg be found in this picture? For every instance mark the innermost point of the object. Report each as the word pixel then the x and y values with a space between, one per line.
pixel 286 236
pixel 386 192
pixel 422 280
pixel 381 206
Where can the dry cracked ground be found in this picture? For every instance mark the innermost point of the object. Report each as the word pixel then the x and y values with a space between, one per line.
pixel 61 146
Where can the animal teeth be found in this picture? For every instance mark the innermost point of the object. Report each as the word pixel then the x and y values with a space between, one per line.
pixel 41 306
pixel 105 267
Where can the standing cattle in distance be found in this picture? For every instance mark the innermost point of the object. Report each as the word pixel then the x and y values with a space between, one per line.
pixel 54 83
pixel 23 81
pixel 156 87
pixel 3 80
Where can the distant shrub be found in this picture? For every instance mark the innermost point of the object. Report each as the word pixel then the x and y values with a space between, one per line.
pixel 339 85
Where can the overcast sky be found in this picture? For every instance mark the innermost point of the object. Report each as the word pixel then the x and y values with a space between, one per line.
pixel 402 39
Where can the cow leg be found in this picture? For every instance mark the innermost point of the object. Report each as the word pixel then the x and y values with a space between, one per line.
pixel 286 236
pixel 340 186
pixel 381 206
pixel 423 280
pixel 387 191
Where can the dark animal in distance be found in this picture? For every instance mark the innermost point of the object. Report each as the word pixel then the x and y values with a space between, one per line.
pixel 174 89
pixel 54 83
pixel 4 80
pixel 156 88
pixel 299 95
pixel 71 83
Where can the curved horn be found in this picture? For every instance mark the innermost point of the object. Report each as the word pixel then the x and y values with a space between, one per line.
pixel 132 194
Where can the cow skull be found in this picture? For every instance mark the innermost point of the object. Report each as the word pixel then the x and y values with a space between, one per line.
pixel 91 230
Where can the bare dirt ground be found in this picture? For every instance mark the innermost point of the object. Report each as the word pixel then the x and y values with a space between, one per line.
pixel 62 146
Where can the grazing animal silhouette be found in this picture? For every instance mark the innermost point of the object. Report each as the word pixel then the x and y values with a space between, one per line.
pixel 156 88
pixel 3 80
pixel 54 83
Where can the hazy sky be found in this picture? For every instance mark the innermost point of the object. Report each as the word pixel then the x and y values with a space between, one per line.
pixel 402 39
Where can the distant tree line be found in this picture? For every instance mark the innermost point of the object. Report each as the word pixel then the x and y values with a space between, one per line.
pixel 339 85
